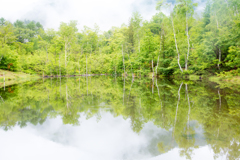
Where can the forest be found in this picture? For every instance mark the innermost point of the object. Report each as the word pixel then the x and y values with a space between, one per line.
pixel 185 42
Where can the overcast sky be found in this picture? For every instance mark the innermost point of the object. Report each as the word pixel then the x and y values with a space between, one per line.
pixel 105 13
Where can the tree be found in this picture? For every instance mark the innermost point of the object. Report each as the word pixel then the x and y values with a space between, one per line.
pixel 7 34
pixel 148 48
pixel 2 21
pixel 158 7
pixel 185 8
pixel 67 32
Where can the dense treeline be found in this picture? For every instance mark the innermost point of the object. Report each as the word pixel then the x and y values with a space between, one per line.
pixel 182 43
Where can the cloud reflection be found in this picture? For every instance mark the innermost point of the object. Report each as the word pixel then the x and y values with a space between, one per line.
pixel 109 139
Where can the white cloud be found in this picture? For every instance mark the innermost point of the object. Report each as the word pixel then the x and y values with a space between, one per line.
pixel 105 13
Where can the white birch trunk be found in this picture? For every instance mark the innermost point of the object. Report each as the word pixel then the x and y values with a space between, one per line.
pixel 219 56
pixel 219 50
pixel 86 65
pixel 4 80
pixel 177 106
pixel 65 54
pixel 152 86
pixel 227 3
pixel 130 88
pixel 66 95
pixel 176 45
pixel 159 54
pixel 152 70
pixel 90 61
pixel 60 86
pixel 220 99
pixel 59 66
pixel 123 90
pixel 79 65
pixel 1 98
pixel 138 43
pixel 123 61
pixel 87 85
pixel 158 90
pixel 216 19
pixel 186 62
pixel 189 110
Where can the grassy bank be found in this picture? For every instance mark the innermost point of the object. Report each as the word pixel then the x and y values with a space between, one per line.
pixel 15 77
pixel 233 79
pixel 232 76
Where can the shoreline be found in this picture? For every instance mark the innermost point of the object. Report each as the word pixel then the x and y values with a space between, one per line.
pixel 12 78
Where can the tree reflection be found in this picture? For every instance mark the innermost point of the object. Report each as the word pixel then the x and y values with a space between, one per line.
pixel 206 107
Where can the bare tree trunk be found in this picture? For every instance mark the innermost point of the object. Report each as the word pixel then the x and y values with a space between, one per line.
pixel 47 54
pixel 227 3
pixel 132 71
pixel 220 99
pixel 157 64
pixel 86 65
pixel 219 56
pixel 123 89
pixel 186 61
pixel 216 19
pixel 189 110
pixel 139 44
pixel 140 70
pixel 152 70
pixel 65 54
pixel 177 105
pixel 79 59
pixel 158 90
pixel 130 89
pixel 90 61
pixel 79 65
pixel 159 54
pixel 219 50
pixel 59 66
pixel 4 80
pixel 176 45
pixel 140 100
pixel 87 84
pixel 79 85
pixel 55 62
pixel 1 98
pixel 46 59
pixel 60 85
pixel 123 60
pixel 152 86
pixel 67 95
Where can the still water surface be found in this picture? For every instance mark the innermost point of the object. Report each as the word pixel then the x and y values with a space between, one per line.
pixel 104 118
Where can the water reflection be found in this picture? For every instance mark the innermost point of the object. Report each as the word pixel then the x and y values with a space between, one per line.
pixel 118 118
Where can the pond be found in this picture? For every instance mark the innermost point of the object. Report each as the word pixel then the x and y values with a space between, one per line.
pixel 108 118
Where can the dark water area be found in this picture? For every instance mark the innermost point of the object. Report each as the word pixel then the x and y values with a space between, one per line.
pixel 107 118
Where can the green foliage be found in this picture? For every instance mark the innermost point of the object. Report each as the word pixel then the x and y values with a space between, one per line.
pixel 160 45
pixel 229 74
pixel 9 59
pixel 233 58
